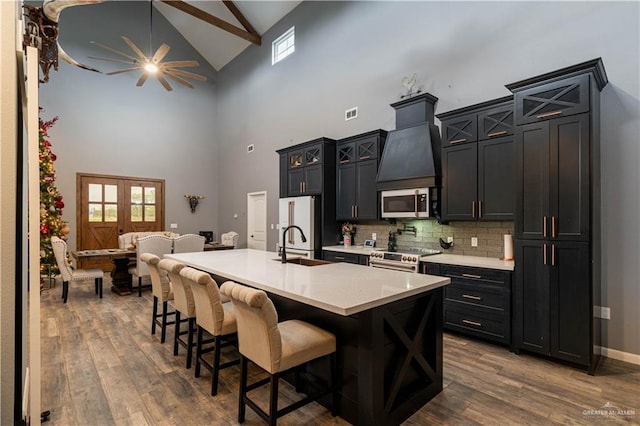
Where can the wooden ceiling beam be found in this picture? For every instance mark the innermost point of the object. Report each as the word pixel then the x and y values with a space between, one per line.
pixel 215 21
pixel 240 17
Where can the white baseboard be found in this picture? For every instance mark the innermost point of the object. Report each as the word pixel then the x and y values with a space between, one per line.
pixel 619 355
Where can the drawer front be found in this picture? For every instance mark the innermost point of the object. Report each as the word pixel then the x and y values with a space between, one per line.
pixel 552 100
pixel 477 322
pixel 334 256
pixel 459 130
pixel 496 122
pixel 478 295
pixel 476 276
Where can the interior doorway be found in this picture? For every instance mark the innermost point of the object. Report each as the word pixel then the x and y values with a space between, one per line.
pixel 257 220
pixel 112 205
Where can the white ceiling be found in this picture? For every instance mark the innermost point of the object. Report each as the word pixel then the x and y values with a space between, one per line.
pixel 217 46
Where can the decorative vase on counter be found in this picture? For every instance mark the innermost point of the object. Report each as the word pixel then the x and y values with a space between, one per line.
pixel 347 240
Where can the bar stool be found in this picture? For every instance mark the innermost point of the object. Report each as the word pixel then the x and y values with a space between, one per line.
pixel 215 317
pixel 185 306
pixel 277 348
pixel 161 290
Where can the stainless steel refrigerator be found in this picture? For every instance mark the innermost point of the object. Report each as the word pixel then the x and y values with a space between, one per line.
pixel 305 213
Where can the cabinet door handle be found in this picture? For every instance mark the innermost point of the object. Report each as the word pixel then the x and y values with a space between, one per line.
pixel 473 209
pixel 553 255
pixel 476 323
pixel 469 296
pixel 339 258
pixel 549 114
pixel 458 140
pixel 553 226
pixel 356 206
pixel 544 226
pixel 479 209
pixel 544 254
pixel 472 276
pixel 304 186
pixel 500 133
pixel 352 211
pixel 365 157
pixel 344 161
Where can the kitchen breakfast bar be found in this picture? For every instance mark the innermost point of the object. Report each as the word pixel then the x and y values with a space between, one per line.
pixel 388 325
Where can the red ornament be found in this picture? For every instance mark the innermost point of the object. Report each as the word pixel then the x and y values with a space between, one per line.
pixel 53 157
pixel 48 178
pixel 59 204
pixel 45 230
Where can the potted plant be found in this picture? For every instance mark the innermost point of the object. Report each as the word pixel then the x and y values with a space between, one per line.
pixel 347 230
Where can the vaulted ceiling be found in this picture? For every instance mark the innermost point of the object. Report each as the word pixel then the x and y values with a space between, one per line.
pixel 216 45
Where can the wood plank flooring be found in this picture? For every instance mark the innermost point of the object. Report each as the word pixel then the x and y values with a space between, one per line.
pixel 102 366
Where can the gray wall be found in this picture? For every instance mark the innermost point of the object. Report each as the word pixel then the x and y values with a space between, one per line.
pixel 356 53
pixel 109 126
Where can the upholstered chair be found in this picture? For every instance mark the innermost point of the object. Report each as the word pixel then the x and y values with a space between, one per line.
pixel 154 244
pixel 188 243
pixel 185 307
pixel 162 291
pixel 217 318
pixel 68 274
pixel 229 239
pixel 277 348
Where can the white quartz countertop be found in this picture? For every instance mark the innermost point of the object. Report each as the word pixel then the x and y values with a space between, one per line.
pixel 351 249
pixel 449 259
pixel 474 261
pixel 341 288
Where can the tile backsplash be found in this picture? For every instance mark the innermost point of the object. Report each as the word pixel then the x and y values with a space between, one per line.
pixel 428 232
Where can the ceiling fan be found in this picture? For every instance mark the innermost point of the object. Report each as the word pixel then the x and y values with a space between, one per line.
pixel 152 65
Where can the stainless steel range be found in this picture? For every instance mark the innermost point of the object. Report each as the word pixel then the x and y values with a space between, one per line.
pixel 406 259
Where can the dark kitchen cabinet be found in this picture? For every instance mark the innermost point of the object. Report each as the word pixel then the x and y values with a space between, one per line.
pixel 553 166
pixel 557 225
pixel 309 169
pixel 459 129
pixel 561 98
pixel 478 177
pixel 477 302
pixel 336 256
pixel 357 167
pixel 552 312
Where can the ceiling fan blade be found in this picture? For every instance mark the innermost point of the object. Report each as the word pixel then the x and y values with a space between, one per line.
pixel 179 80
pixel 135 48
pixel 142 79
pixel 112 60
pixel 121 71
pixel 186 74
pixel 164 82
pixel 160 53
pixel 180 64
pixel 115 51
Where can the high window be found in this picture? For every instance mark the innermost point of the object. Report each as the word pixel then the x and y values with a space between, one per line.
pixel 283 46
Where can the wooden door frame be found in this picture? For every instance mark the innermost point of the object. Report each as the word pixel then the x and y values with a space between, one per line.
pixel 80 176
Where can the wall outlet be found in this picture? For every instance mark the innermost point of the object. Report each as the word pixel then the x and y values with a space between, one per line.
pixel 174 226
pixel 603 312
pixel 374 236
pixel 449 239
pixel 474 242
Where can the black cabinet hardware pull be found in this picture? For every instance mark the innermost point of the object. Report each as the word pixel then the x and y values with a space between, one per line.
pixel 500 133
pixel 549 114
pixel 468 296
pixel 458 140
pixel 472 276
pixel 477 324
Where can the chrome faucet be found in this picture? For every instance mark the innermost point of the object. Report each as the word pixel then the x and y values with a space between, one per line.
pixel 283 250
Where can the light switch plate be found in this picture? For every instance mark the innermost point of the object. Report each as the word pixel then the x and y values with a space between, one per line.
pixel 474 242
pixel 174 226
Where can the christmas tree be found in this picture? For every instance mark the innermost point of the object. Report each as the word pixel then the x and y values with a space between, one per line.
pixel 51 203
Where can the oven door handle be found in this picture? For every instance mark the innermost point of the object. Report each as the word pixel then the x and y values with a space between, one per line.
pixel 395 267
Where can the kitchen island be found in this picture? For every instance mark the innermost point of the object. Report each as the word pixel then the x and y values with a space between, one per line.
pixel 388 325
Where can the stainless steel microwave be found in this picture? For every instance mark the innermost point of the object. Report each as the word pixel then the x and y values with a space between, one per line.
pixel 409 203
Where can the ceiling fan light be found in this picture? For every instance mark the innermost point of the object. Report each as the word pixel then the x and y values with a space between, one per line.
pixel 151 67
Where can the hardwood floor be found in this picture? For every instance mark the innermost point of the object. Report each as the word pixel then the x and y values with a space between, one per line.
pixel 102 366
